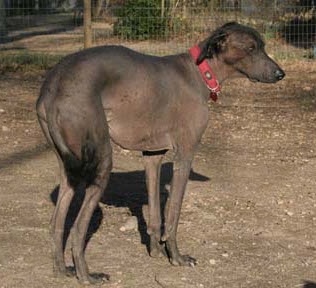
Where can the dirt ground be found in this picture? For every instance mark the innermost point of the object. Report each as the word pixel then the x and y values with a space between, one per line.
pixel 249 214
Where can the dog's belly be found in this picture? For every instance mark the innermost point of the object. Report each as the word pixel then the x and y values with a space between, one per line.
pixel 140 133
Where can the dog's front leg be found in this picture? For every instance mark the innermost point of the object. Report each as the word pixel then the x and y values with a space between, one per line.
pixel 152 161
pixel 181 171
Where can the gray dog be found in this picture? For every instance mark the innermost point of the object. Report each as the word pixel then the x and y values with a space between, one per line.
pixel 144 103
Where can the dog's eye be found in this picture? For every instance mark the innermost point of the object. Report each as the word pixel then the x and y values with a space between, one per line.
pixel 251 48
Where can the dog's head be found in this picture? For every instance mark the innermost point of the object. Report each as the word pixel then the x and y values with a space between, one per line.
pixel 242 48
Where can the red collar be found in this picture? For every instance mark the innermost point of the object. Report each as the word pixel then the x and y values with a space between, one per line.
pixel 207 73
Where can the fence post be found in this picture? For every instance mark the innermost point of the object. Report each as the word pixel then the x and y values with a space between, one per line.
pixel 162 9
pixel 3 26
pixel 87 23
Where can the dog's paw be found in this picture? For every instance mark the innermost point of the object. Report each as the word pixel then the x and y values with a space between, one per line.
pixel 95 279
pixel 157 249
pixel 183 260
pixel 69 271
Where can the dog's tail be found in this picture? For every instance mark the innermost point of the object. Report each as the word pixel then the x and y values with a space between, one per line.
pixel 78 168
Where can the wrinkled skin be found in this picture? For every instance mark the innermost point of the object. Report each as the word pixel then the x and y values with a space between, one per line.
pixel 145 103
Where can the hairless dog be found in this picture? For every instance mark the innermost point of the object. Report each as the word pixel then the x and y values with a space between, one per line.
pixel 144 103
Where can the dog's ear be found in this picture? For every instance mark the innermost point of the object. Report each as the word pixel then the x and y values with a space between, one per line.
pixel 215 43
pixel 204 52
pixel 212 46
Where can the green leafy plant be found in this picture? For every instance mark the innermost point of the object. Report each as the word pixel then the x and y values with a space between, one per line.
pixel 140 20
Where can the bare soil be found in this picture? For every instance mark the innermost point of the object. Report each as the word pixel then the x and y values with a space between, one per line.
pixel 249 214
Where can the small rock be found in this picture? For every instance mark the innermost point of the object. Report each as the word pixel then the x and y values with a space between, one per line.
pixel 289 213
pixel 5 129
pixel 125 151
pixel 307 88
pixel 225 255
pixel 212 261
pixel 131 224
pixel 184 279
pixel 2 111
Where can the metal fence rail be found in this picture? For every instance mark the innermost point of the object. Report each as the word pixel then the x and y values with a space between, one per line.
pixel 154 26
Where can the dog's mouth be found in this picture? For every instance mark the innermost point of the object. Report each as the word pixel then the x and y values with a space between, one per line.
pixel 252 79
pixel 268 81
pixel 256 79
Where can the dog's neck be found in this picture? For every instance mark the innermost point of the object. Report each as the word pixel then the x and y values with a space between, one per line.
pixel 222 70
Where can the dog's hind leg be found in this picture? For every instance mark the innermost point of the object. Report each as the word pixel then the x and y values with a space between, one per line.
pixel 93 194
pixel 57 230
pixel 65 195
pixel 152 162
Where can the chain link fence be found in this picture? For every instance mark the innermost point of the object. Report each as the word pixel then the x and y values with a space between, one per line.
pixel 154 26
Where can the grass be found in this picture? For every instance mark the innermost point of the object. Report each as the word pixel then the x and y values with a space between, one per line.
pixel 307 100
pixel 26 61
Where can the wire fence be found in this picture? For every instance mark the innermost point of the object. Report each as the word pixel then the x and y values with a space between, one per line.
pixel 154 26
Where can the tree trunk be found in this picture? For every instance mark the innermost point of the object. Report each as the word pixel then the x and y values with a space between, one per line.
pixel 173 7
pixel 171 13
pixel 162 9
pixel 87 24
pixel 96 11
pixel 3 23
pixel 36 5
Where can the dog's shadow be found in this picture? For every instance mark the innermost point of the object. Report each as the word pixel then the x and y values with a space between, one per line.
pixel 125 189
pixel 309 284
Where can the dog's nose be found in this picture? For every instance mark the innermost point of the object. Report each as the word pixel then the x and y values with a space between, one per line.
pixel 279 74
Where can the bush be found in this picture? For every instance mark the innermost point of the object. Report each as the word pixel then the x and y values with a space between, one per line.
pixel 140 20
